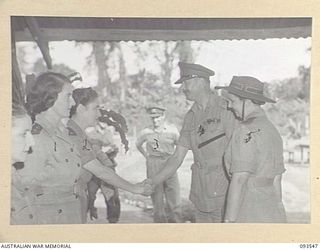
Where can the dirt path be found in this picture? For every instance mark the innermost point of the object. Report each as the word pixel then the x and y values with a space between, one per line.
pixel 129 213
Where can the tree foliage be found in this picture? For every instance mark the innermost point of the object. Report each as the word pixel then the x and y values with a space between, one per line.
pixel 291 112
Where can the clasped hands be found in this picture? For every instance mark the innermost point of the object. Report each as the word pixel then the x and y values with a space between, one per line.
pixel 145 187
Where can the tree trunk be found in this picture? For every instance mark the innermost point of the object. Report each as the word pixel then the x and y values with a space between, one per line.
pixel 122 77
pixel 104 83
pixel 186 52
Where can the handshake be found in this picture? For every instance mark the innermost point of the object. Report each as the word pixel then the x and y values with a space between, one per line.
pixel 144 188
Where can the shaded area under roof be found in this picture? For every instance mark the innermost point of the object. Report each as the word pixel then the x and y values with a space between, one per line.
pixel 140 29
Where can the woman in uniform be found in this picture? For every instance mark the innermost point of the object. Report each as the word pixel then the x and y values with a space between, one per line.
pixel 21 141
pixel 53 169
pixel 94 161
pixel 254 157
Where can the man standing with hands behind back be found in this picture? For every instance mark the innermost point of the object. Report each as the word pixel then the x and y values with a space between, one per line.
pixel 206 130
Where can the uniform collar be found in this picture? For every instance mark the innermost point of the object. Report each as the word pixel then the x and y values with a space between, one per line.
pixel 212 102
pixel 258 113
pixel 48 126
pixel 75 127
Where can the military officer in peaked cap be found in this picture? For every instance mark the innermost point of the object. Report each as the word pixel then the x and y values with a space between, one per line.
pixel 254 157
pixel 206 130
pixel 160 140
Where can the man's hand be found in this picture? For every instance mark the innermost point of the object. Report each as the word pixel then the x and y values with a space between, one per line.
pixel 148 187
pixel 143 188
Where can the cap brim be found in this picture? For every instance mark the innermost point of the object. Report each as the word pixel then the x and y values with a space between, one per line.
pixel 233 91
pixel 155 115
pixel 182 79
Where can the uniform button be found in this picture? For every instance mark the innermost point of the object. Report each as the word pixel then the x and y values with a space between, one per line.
pixel 67 160
pixel 26 189
pixel 71 149
pixel 31 216
pixel 60 211
pixel 13 209
pixel 215 193
pixel 78 164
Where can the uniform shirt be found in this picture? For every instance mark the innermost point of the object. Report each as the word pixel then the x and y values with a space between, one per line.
pixel 101 139
pixel 159 142
pixel 201 125
pixel 55 164
pixel 21 201
pixel 256 147
pixel 209 180
pixel 93 160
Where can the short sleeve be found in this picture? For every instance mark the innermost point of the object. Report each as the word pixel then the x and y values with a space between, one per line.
pixel 141 137
pixel 173 133
pixel 87 153
pixel 95 167
pixel 34 170
pixel 229 122
pixel 243 151
pixel 185 133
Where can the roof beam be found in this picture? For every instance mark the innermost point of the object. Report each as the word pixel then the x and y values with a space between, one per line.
pixel 86 35
pixel 39 39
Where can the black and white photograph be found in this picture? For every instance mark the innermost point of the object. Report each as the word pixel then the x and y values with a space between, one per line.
pixel 160 120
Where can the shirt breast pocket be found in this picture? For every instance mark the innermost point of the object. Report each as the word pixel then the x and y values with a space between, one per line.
pixel 215 127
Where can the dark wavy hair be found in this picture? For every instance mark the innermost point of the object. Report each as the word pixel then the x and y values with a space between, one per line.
pixel 44 92
pixel 82 96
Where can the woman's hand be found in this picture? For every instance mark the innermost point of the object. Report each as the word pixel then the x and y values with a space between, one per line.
pixel 144 188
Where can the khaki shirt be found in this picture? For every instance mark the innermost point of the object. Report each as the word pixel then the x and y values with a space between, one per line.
pixel 21 201
pixel 256 147
pixel 208 175
pixel 159 142
pixel 93 159
pixel 54 166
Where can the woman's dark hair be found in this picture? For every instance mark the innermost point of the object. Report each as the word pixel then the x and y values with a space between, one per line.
pixel 82 96
pixel 44 91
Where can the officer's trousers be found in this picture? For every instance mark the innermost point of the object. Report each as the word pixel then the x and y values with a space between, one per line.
pixel 215 216
pixel 166 197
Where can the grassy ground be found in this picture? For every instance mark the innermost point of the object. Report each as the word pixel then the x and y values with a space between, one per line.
pixel 296 188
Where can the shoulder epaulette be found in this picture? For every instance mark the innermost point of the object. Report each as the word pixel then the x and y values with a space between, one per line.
pixel 36 129
pixel 71 131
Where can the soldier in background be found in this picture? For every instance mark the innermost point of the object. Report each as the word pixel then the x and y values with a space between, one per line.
pixel 160 140
pixel 101 136
pixel 206 130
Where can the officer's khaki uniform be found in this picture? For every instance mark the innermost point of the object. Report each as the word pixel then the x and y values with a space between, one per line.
pixel 89 160
pixel 52 171
pixel 159 147
pixel 209 181
pixel 256 147
pixel 21 202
